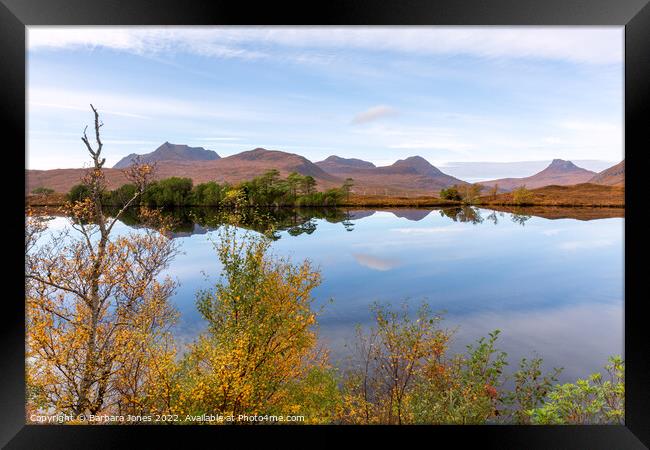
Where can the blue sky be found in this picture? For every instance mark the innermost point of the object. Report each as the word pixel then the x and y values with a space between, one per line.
pixel 375 93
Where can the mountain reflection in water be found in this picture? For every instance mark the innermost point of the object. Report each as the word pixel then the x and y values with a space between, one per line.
pixel 550 278
pixel 297 221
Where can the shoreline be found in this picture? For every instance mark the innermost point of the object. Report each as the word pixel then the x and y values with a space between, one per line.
pixel 395 202
pixel 585 195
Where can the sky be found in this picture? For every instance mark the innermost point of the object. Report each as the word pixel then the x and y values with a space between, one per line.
pixel 448 94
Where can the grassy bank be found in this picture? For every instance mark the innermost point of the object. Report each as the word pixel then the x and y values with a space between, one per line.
pixel 581 195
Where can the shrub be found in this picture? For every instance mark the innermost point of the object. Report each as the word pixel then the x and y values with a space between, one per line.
pixel 258 353
pixel 594 400
pixel 391 360
pixel 121 195
pixel 470 193
pixel 450 194
pixel 209 194
pixel 530 392
pixel 464 389
pixel 522 196
pixel 78 192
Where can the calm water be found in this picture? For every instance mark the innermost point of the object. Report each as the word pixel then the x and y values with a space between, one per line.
pixel 554 285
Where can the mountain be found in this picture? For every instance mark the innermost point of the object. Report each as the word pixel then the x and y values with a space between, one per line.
pixel 232 169
pixel 558 173
pixel 476 171
pixel 413 164
pixel 246 165
pixel 262 160
pixel 613 176
pixel 411 175
pixel 61 180
pixel 169 152
pixel 335 164
pixel 414 215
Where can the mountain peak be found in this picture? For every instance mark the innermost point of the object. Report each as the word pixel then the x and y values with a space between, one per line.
pixel 562 164
pixel 416 159
pixel 559 172
pixel 561 167
pixel 417 164
pixel 259 153
pixel 336 164
pixel 170 152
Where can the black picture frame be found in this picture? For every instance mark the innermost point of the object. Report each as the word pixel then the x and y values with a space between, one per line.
pixel 634 15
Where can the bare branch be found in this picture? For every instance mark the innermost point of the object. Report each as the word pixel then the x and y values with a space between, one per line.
pixel 97 137
pixel 59 286
pixel 84 138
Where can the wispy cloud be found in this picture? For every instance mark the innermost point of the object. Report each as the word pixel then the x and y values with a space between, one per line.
pixel 139 40
pixel 584 245
pixel 593 45
pixel 76 107
pixel 372 114
pixel 140 106
pixel 222 138
pixel 375 93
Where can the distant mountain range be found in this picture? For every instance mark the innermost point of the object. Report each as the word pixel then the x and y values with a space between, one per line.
pixel 232 169
pixel 410 176
pixel 169 152
pixel 477 171
pixel 559 173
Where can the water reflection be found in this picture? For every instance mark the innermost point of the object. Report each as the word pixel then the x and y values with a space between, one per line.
pixel 520 218
pixel 554 286
pixel 465 214
pixel 299 221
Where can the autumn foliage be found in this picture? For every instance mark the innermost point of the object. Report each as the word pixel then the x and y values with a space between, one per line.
pixel 260 340
pixel 98 315
pixel 99 337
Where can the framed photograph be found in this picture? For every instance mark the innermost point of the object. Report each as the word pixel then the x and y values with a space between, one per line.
pixel 372 218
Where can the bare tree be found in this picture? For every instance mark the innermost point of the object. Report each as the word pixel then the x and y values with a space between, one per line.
pixel 88 295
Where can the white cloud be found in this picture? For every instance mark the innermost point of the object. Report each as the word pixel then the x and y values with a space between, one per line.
pixel 375 262
pixel 593 45
pixel 138 40
pixel 542 126
pixel 372 114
